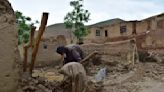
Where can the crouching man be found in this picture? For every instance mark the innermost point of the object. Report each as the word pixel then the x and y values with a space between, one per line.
pixel 70 53
pixel 76 74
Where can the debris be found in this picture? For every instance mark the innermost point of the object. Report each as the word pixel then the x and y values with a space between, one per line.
pixel 44 88
pixel 100 76
pixel 97 79
pixel 146 56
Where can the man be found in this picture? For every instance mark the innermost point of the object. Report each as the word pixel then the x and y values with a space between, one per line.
pixel 71 53
pixel 73 68
pixel 75 73
pixel 132 55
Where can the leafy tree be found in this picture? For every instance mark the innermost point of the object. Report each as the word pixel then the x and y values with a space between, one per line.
pixel 75 20
pixel 24 23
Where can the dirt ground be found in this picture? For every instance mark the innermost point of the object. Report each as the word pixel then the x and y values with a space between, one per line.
pixel 146 77
pixel 143 77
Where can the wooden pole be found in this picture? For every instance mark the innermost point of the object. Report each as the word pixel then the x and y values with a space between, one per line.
pixel 26 48
pixel 32 35
pixel 83 61
pixel 36 46
pixel 25 58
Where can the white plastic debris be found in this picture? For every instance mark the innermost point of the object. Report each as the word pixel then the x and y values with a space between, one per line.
pixel 100 76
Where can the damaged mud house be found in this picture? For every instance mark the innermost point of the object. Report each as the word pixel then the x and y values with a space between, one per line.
pixel 111 39
pixel 148 33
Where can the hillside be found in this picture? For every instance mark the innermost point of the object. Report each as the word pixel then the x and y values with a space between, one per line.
pixel 56 29
pixel 107 22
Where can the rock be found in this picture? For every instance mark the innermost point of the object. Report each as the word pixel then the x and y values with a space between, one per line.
pixel 29 88
pixel 43 88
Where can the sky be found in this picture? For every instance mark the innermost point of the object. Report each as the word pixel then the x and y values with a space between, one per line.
pixel 100 10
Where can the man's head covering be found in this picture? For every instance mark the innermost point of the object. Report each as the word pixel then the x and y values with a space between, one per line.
pixel 60 50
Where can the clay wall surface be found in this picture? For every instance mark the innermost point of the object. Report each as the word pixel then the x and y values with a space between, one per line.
pixel 8 49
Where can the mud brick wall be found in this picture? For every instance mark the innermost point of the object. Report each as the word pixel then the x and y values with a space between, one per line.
pixel 47 55
pixel 8 49
pixel 109 52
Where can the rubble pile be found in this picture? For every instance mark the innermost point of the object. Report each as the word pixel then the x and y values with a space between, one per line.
pixel 118 79
pixel 42 81
pixel 40 85
pixel 142 77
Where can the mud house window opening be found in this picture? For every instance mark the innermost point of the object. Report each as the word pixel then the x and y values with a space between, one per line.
pixel 97 32
pixel 123 29
pixel 106 33
pixel 45 46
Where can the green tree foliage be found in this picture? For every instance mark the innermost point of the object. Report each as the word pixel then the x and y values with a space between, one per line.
pixel 75 20
pixel 24 23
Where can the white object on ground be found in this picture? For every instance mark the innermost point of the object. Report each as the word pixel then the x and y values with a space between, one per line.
pixel 100 76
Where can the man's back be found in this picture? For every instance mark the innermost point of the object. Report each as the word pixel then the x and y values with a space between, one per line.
pixel 76 72
pixel 73 53
pixel 76 48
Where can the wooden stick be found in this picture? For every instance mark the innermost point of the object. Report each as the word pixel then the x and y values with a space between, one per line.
pixel 88 57
pixel 36 46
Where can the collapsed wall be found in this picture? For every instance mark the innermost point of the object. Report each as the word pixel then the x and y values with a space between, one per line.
pixel 154 40
pixel 111 52
pixel 8 49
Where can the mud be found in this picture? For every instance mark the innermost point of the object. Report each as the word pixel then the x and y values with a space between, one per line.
pixel 144 77
pixel 141 79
